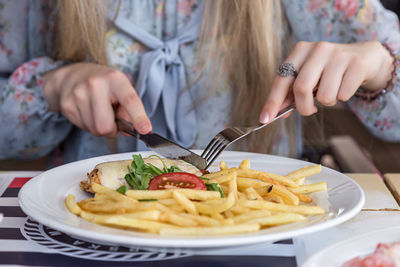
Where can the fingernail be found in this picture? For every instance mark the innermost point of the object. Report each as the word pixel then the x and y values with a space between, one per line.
pixel 264 118
pixel 144 127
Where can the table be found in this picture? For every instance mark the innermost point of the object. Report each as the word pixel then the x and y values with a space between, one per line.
pixel 26 242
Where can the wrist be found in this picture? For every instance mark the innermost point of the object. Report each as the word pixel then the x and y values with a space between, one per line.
pixel 384 81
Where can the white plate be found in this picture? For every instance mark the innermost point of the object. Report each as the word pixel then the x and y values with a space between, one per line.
pixel 348 249
pixel 42 198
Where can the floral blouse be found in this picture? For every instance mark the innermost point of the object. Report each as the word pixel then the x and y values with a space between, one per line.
pixel 29 130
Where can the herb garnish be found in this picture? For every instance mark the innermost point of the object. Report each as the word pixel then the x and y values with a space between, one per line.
pixel 215 187
pixel 122 189
pixel 212 186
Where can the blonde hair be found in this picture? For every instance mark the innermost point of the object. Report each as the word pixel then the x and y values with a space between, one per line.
pixel 242 37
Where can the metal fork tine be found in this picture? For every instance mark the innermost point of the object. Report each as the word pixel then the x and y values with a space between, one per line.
pixel 217 148
pixel 209 162
pixel 216 140
pixel 206 150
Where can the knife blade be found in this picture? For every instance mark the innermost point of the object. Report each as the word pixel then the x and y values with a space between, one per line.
pixel 162 145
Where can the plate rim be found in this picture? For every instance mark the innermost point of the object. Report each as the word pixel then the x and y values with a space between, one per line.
pixel 203 243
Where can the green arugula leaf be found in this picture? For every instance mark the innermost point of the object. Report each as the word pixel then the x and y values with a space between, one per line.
pixel 156 170
pixel 174 169
pixel 215 187
pixel 122 189
pixel 204 178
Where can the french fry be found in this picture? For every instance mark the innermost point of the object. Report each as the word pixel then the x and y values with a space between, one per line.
pixel 229 214
pixel 104 206
pixel 252 194
pixel 102 190
pixel 153 215
pixel 241 195
pixel 97 188
pixel 303 198
pixel 163 194
pixel 180 221
pixel 233 186
pixel 224 189
pixel 274 198
pixel 219 174
pixel 218 230
pixel 245 164
pixel 185 202
pixel 168 202
pixel 223 165
pixel 300 181
pixel 266 177
pixel 202 220
pixel 239 209
pixel 243 183
pixel 71 205
pixel 143 206
pixel 310 188
pixel 304 172
pixel 216 207
pixel 277 219
pixel 301 209
pixel 124 221
pixel 287 196
pixel 245 217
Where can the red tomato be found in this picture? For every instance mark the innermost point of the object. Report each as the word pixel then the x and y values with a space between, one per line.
pixel 176 180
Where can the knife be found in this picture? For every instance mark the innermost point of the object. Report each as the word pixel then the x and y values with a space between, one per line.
pixel 162 145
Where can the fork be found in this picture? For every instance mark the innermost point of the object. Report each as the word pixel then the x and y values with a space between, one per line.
pixel 230 135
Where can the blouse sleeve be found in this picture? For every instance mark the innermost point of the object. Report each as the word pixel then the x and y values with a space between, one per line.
pixel 349 21
pixel 28 129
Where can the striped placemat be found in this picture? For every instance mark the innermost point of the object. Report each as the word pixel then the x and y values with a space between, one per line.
pixel 26 242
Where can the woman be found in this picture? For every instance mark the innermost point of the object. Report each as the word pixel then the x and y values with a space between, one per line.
pixel 188 68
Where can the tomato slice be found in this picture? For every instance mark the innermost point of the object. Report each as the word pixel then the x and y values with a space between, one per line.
pixel 176 180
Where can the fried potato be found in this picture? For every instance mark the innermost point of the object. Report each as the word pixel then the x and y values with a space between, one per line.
pixel 278 219
pixel 185 202
pixel 304 172
pixel 310 188
pixel 71 205
pixel 193 194
pixel 301 209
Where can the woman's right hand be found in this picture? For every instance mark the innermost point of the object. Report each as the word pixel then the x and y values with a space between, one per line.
pixel 87 94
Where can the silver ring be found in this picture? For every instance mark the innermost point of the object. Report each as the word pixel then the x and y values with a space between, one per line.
pixel 287 69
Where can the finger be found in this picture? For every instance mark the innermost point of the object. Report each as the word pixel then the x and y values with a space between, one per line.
pixel 81 98
pixel 130 101
pixel 309 77
pixel 281 85
pixel 352 80
pixel 71 112
pixel 331 79
pixel 288 101
pixel 103 112
pixel 123 114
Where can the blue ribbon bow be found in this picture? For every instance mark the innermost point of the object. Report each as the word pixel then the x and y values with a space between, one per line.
pixel 162 81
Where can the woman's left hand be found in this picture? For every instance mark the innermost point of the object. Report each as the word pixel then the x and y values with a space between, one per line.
pixel 336 71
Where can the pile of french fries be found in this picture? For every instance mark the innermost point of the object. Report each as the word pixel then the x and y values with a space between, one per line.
pixel 253 200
